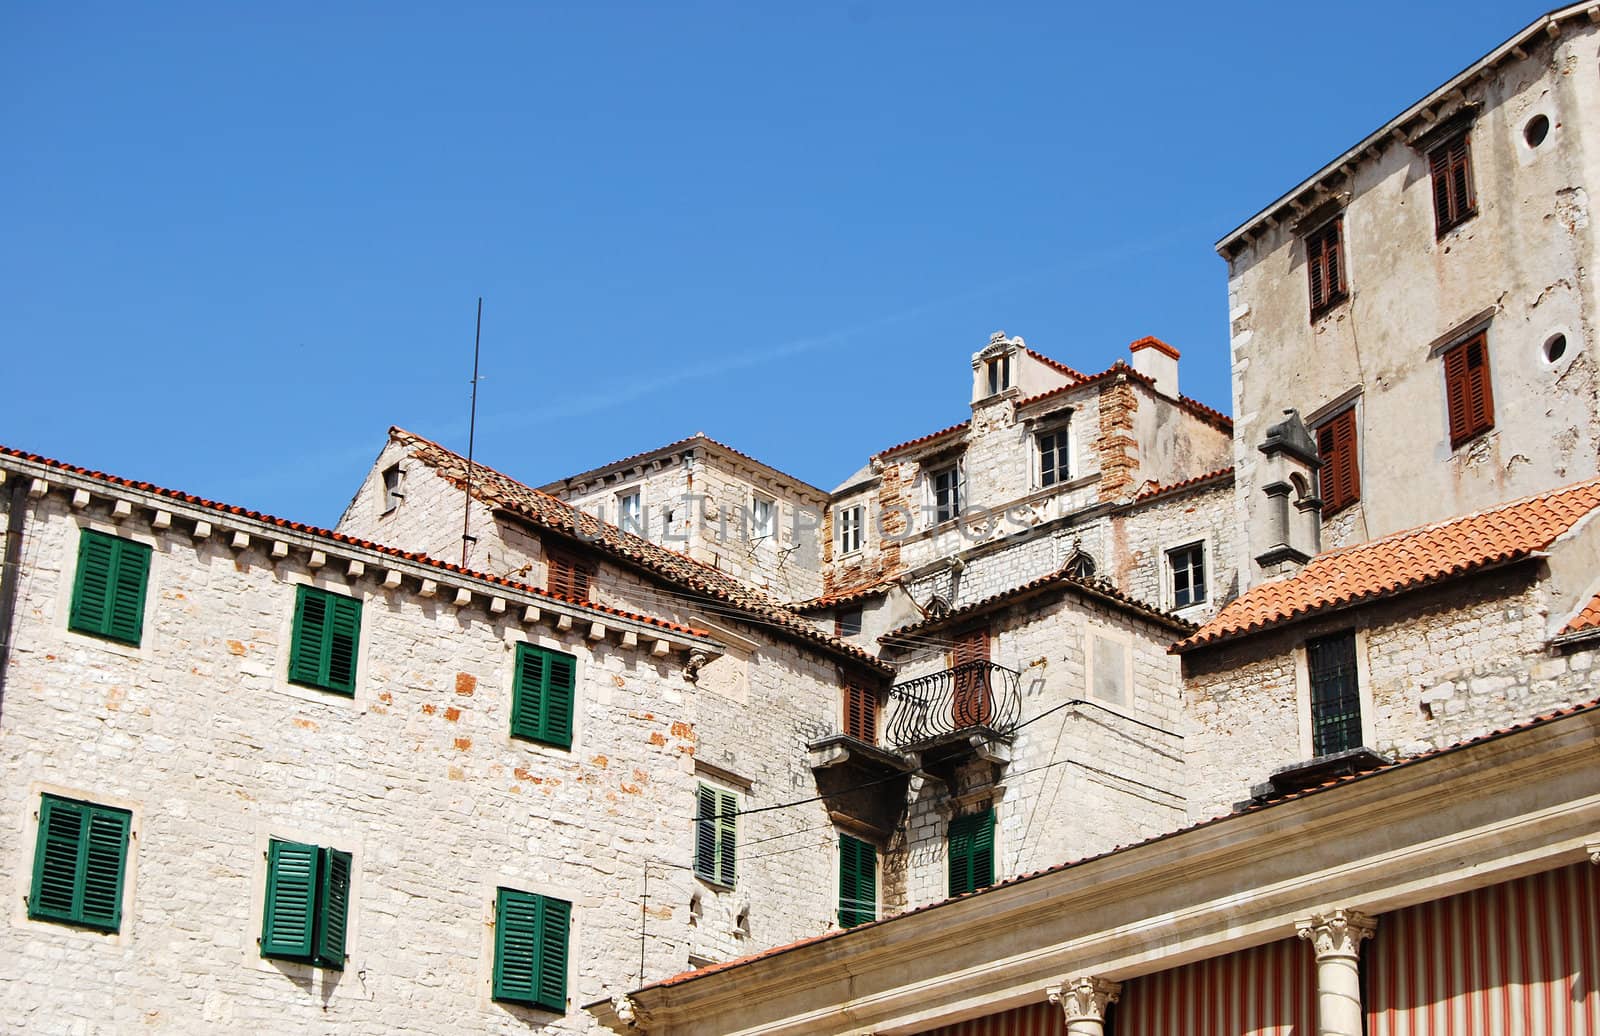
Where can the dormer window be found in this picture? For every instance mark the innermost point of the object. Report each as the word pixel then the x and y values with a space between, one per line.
pixel 999 374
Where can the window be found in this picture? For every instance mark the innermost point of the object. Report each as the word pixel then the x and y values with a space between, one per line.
pixel 392 480
pixel 78 864
pixel 858 882
pixel 715 837
pixel 972 703
pixel 569 577
pixel 947 491
pixel 1453 200
pixel 323 649
pixel 999 374
pixel 1054 460
pixel 763 516
pixel 1335 694
pixel 847 623
pixel 308 904
pixel 848 521
pixel 108 596
pixel 530 949
pixel 1188 567
pixel 1325 266
pixel 1341 474
pixel 972 852
pixel 630 512
pixel 542 696
pixel 860 712
pixel 1468 395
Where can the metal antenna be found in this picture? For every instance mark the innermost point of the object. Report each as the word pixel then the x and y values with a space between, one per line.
pixel 472 431
pixel 644 916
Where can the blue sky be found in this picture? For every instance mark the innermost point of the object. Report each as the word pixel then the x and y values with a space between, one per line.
pixel 240 241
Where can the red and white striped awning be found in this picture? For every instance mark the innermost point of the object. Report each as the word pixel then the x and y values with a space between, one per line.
pixel 1270 990
pixel 1041 1019
pixel 1516 959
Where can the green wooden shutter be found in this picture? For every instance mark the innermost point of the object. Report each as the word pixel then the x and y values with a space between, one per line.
pixel 983 850
pixel 344 630
pixel 91 592
pixel 560 681
pixel 305 650
pixel 333 908
pixel 971 852
pixel 516 946
pixel 727 837
pixel 287 919
pixel 322 650
pixel 108 594
pixel 959 852
pixel 542 695
pixel 130 572
pixel 705 833
pixel 555 919
pixel 79 863
pixel 858 881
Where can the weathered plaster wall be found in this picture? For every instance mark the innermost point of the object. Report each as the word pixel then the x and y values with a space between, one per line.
pixel 1141 536
pixel 1529 255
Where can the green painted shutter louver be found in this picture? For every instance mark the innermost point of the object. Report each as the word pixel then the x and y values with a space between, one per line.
pixel 327 630
pixel 333 910
pixel 727 822
pixel 971 852
pixel 705 834
pixel 530 949
pixel 542 695
pixel 858 881
pixel 79 863
pixel 108 594
pixel 290 913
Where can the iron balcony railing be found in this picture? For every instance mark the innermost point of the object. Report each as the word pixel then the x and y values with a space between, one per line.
pixel 977 696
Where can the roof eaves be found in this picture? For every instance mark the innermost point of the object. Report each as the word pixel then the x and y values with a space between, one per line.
pixel 922 440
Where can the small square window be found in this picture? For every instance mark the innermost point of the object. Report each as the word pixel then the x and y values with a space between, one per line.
pixel 327 631
pixel 847 623
pixel 763 516
pixel 531 949
pixel 108 595
pixel 630 512
pixel 848 522
pixel 1187 566
pixel 1469 396
pixel 393 479
pixel 971 852
pixel 568 576
pixel 79 863
pixel 1325 266
pixel 1054 459
pixel 947 493
pixel 542 692
pixel 308 904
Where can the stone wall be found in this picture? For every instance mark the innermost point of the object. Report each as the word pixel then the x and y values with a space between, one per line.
pixel 1437 667
pixel 1141 536
pixel 197 731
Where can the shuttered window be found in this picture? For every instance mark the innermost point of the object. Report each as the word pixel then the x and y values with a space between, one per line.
pixel 1453 200
pixel 530 949
pixel 108 595
pixel 716 835
pixel 78 863
pixel 1325 266
pixel 1335 694
pixel 861 712
pixel 569 577
pixel 1341 472
pixel 542 693
pixel 971 852
pixel 858 882
pixel 1468 394
pixel 322 651
pixel 307 911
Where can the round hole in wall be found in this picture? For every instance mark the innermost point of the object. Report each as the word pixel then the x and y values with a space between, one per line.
pixel 1555 347
pixel 1536 130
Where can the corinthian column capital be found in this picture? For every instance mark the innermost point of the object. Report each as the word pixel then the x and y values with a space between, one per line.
pixel 1084 998
pixel 1337 933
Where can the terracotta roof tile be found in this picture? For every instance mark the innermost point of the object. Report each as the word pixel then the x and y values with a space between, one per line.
pixel 1403 561
pixel 1158 490
pixel 339 537
pixel 850 596
pixel 1097 589
pixel 1208 414
pixel 697 437
pixel 546 511
pixel 1056 365
pixel 1586 620
pixel 1537 721
pixel 919 440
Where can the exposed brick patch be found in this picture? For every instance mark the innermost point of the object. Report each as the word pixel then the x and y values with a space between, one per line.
pixel 1119 451
pixel 466 683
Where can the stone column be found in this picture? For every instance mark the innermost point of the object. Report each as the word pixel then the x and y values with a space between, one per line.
pixel 1337 937
pixel 1083 1001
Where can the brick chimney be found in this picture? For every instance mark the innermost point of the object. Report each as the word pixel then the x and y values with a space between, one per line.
pixel 1158 361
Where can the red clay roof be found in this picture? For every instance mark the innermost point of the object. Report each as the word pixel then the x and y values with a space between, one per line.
pixel 1332 782
pixel 919 440
pixel 558 516
pixel 1404 561
pixel 1207 414
pixel 339 537
pixel 1056 365
pixel 1158 490
pixel 697 437
pixel 1152 342
pixel 1586 620
pixel 850 596
pixel 1096 589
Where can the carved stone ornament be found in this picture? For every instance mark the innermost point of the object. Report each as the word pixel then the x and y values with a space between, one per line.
pixel 691 668
pixel 629 1013
pixel 1337 933
pixel 1593 849
pixel 1085 997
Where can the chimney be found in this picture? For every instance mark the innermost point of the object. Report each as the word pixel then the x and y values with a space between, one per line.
pixel 1158 361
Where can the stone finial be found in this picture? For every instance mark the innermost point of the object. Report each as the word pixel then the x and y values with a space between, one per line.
pixel 1337 933
pixel 1085 997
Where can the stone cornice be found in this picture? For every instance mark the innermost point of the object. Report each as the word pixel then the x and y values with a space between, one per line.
pixel 1487 812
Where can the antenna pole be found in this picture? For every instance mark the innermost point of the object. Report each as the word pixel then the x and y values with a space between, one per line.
pixel 644 914
pixel 472 431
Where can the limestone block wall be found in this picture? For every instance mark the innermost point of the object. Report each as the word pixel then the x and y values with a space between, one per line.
pixel 197 732
pixel 1082 778
pixel 1524 262
pixel 1436 667
pixel 1142 535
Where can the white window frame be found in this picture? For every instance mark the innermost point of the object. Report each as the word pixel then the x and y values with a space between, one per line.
pixel 636 523
pixel 760 529
pixel 1169 574
pixel 842 529
pixel 997 369
pixel 955 470
pixel 1062 449
pixel 1302 689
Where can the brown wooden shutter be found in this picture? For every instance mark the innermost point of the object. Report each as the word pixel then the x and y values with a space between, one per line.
pixel 1468 394
pixel 569 577
pixel 1480 397
pixel 1325 265
pixel 971 704
pixel 860 712
pixel 1341 473
pixel 1450 165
